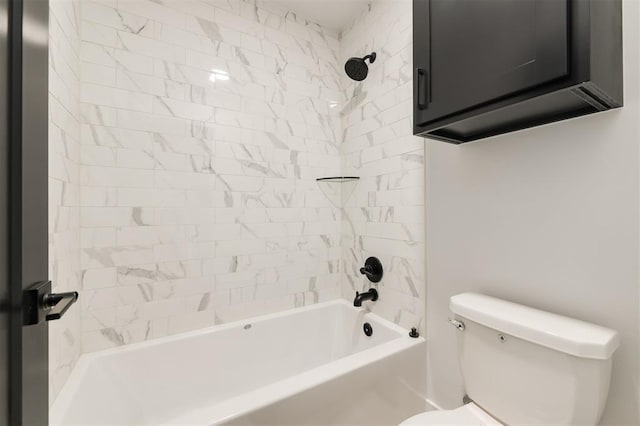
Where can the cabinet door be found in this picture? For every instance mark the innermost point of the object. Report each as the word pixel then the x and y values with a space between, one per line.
pixel 471 52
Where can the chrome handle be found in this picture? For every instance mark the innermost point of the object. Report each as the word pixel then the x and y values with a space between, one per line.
pixel 457 324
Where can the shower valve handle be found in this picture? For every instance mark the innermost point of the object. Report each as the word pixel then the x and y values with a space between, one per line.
pixel 372 269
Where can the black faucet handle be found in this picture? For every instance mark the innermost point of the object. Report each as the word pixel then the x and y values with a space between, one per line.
pixel 372 269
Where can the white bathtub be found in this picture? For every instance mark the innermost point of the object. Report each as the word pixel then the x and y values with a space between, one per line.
pixel 312 365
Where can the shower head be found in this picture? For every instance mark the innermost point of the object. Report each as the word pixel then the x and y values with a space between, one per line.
pixel 357 69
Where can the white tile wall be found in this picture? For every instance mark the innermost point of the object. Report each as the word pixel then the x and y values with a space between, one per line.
pixel 64 183
pixel 186 137
pixel 204 126
pixel 384 216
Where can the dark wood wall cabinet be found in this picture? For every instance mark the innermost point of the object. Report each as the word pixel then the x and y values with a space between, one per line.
pixel 487 67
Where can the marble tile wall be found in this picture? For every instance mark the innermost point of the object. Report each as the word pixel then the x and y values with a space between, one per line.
pixel 384 216
pixel 203 127
pixel 64 183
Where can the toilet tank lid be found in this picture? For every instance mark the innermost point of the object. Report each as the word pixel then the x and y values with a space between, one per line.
pixel 558 332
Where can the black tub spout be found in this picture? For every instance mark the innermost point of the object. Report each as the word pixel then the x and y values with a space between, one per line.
pixel 372 295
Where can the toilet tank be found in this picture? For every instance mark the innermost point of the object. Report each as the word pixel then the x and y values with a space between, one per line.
pixel 527 366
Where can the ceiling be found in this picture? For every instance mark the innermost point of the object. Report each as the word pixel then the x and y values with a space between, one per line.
pixel 332 14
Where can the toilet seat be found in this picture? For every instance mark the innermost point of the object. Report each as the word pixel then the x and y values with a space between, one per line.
pixel 467 415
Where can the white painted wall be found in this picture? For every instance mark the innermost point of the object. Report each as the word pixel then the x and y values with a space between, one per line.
pixel 546 217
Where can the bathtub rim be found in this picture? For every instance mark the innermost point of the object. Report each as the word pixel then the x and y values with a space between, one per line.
pixel 65 397
pixel 264 396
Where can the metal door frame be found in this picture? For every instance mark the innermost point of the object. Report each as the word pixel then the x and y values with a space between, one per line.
pixel 28 205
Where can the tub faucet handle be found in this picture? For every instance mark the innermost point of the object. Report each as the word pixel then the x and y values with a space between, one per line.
pixel 372 269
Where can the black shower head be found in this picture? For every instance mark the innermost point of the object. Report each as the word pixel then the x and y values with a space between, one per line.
pixel 357 69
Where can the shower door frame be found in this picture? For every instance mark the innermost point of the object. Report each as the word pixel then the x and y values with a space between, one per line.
pixel 4 215
pixel 27 208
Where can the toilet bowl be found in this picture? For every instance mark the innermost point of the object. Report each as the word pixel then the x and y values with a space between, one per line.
pixel 526 366
pixel 467 415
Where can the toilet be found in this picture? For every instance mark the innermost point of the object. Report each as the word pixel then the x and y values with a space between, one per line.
pixel 524 366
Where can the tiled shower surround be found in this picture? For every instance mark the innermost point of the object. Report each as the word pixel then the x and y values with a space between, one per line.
pixel 384 216
pixel 64 183
pixel 203 125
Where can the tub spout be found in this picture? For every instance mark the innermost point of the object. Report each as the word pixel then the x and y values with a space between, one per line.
pixel 372 295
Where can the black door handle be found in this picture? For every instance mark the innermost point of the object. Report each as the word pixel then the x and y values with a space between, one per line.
pixel 58 304
pixel 422 88
pixel 40 304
